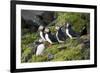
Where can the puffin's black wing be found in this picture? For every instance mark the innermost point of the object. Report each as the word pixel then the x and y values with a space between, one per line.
pixel 52 37
pixel 44 35
pixel 35 47
pixel 61 35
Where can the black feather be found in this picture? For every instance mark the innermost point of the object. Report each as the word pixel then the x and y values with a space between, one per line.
pixel 52 37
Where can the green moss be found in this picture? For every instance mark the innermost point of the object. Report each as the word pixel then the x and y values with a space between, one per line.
pixel 70 50
pixel 26 55
pixel 29 38
pixel 76 19
pixel 38 58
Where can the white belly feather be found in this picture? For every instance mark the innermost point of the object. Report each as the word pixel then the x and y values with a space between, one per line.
pixel 40 49
pixel 41 35
pixel 58 38
pixel 47 38
pixel 67 32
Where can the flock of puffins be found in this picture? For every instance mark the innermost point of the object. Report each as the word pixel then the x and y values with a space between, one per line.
pixel 59 37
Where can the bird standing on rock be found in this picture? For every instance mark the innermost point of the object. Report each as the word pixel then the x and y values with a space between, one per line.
pixel 70 32
pixel 51 38
pixel 39 47
pixel 60 34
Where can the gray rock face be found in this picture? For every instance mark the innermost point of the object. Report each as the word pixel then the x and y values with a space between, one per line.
pixel 32 19
pixel 30 14
pixel 38 16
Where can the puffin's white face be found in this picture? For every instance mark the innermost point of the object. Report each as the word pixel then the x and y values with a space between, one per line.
pixel 57 27
pixel 46 30
pixel 40 28
pixel 67 25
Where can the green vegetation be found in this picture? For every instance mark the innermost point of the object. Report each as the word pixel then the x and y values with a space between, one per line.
pixel 76 19
pixel 71 49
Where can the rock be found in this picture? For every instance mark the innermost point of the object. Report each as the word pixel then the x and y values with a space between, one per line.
pixel 31 19
pixel 50 56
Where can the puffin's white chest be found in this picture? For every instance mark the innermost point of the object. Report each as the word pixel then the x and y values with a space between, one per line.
pixel 47 38
pixel 58 38
pixel 40 49
pixel 67 32
pixel 41 35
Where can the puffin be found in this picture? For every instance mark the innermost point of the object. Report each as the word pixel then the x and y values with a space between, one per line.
pixel 60 34
pixel 39 47
pixel 70 32
pixel 51 38
pixel 41 32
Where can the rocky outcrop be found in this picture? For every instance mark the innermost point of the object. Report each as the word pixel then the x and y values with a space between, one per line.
pixel 31 19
